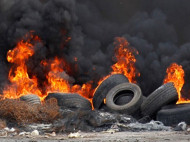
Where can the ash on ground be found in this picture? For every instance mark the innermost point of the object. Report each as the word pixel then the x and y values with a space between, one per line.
pixel 94 121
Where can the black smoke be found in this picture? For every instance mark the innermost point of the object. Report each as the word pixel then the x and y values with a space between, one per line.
pixel 159 30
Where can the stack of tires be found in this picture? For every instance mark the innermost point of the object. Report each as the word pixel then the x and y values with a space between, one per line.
pixel 118 95
pixel 64 100
pixel 161 105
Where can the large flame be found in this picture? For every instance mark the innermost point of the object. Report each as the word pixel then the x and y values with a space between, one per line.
pixel 175 74
pixel 125 60
pixel 58 80
pixel 125 64
pixel 20 82
pixel 85 90
pixel 56 77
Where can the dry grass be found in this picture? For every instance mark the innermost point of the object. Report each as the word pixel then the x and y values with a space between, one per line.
pixel 2 124
pixel 23 113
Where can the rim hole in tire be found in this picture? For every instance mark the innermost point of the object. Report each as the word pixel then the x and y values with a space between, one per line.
pixel 123 97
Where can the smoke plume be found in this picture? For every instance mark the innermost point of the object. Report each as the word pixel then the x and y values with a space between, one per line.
pixel 159 30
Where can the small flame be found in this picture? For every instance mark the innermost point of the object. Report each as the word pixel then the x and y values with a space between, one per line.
pixel 21 83
pixel 175 74
pixel 105 101
pixel 75 59
pixel 85 91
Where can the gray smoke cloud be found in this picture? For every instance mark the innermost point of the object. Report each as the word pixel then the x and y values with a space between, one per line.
pixel 159 30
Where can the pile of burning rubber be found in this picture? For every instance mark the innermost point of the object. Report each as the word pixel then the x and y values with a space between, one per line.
pixel 116 98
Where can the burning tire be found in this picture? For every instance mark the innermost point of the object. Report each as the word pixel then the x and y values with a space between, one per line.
pixel 162 96
pixel 32 99
pixel 68 100
pixel 174 114
pixel 105 87
pixel 130 106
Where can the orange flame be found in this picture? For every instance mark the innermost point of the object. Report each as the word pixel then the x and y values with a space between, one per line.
pixel 57 81
pixel 56 76
pixel 105 101
pixel 21 83
pixel 125 60
pixel 175 74
pixel 85 91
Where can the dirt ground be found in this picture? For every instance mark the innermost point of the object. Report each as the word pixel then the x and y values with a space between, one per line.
pixel 104 137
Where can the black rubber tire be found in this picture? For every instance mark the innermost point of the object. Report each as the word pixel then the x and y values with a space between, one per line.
pixel 105 87
pixel 69 100
pixel 173 114
pixel 123 99
pixel 144 98
pixel 160 97
pixel 130 107
pixel 32 99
